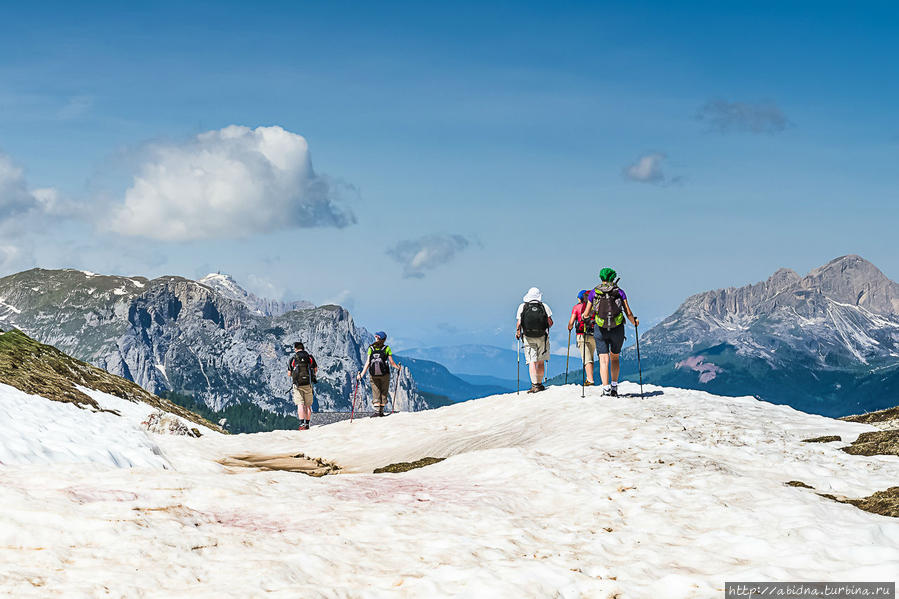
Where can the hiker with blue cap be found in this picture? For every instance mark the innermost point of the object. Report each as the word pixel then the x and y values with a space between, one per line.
pixel 586 344
pixel 379 359
pixel 608 306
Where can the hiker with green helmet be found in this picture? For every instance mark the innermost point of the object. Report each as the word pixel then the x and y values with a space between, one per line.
pixel 379 359
pixel 607 304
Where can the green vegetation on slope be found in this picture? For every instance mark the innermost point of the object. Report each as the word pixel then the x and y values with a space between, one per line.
pixel 43 370
pixel 240 417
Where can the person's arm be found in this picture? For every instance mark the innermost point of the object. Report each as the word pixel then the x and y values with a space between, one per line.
pixel 630 315
pixel 549 320
pixel 364 368
pixel 314 365
pixel 392 361
pixel 571 320
pixel 518 329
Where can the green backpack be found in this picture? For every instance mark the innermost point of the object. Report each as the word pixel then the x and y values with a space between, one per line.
pixel 608 307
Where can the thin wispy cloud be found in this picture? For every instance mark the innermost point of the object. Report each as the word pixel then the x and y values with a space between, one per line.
pixel 75 107
pixel 648 169
pixel 722 116
pixel 232 183
pixel 417 256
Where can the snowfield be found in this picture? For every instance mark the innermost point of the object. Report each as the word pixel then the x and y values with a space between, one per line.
pixel 546 495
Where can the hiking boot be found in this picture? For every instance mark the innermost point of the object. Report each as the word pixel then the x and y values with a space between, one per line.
pixel 303 427
pixel 540 387
pixel 613 391
pixel 533 389
pixel 606 391
pixel 589 384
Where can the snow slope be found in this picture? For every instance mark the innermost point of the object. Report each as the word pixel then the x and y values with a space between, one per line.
pixel 541 495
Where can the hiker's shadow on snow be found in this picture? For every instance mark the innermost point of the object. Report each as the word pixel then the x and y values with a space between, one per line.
pixel 646 395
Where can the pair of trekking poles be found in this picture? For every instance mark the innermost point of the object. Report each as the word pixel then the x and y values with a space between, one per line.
pixel 396 386
pixel 584 379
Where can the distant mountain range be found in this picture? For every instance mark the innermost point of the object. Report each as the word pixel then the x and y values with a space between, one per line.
pixel 484 364
pixel 211 341
pixel 826 343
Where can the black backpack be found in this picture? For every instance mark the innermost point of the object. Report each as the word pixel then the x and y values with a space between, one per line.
pixel 607 305
pixel 534 321
pixel 301 369
pixel 378 363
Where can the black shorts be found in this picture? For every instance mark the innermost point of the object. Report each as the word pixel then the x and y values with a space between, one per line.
pixel 609 340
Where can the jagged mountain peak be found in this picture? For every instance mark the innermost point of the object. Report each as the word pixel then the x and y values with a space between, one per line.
pixel 853 280
pixel 833 329
pixel 225 285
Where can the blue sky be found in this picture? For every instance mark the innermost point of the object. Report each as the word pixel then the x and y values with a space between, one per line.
pixel 690 146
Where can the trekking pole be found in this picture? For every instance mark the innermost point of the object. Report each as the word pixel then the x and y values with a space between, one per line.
pixel 584 367
pixel 567 355
pixel 518 370
pixel 353 409
pixel 396 388
pixel 639 364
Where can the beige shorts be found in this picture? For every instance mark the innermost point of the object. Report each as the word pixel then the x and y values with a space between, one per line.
pixel 302 396
pixel 380 387
pixel 586 355
pixel 536 349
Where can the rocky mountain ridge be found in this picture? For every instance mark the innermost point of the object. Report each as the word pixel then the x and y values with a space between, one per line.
pixel 227 287
pixel 175 334
pixel 817 342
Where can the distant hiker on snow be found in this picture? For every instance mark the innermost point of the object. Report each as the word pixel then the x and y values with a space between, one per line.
pixel 379 354
pixel 302 369
pixel 534 319
pixel 586 343
pixel 607 304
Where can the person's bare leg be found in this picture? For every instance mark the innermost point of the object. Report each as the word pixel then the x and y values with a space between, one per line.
pixel 532 369
pixel 541 369
pixel 589 372
pixel 616 367
pixel 604 369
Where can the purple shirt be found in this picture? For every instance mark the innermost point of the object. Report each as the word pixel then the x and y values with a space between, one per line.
pixel 592 295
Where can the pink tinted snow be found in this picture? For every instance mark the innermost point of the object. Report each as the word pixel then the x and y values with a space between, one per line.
pixel 707 371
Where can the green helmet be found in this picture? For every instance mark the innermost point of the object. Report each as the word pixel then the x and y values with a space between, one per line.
pixel 607 274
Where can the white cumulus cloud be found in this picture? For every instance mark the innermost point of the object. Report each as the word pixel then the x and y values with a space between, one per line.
pixel 15 197
pixel 648 169
pixel 230 183
pixel 426 253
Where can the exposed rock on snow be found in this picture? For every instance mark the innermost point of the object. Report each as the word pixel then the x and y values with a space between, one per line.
pixel 165 424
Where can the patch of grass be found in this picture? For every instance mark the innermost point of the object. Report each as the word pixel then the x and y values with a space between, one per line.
pixel 43 370
pixel 871 417
pixel 885 503
pixel 875 443
pixel 824 439
pixel 239 417
pixel 406 466
pixel 798 483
